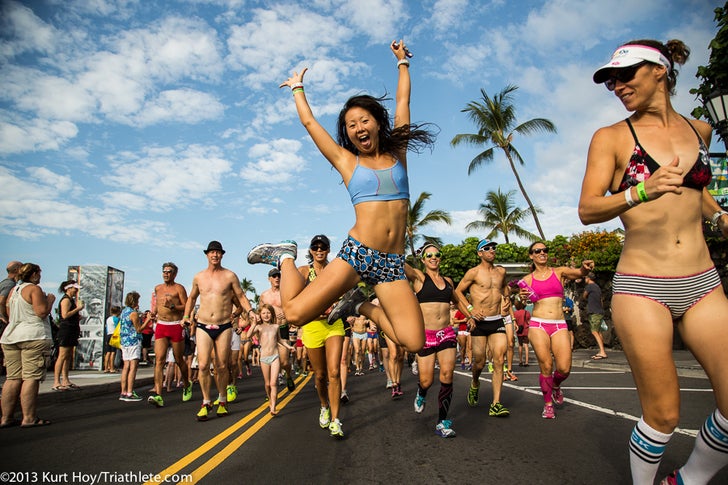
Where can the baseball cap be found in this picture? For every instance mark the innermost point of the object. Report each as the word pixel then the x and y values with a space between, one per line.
pixel 486 242
pixel 72 285
pixel 629 55
pixel 320 239
pixel 274 272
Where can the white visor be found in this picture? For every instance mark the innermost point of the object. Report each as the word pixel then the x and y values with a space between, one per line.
pixel 629 55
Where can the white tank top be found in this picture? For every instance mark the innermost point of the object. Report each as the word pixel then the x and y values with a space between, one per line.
pixel 24 324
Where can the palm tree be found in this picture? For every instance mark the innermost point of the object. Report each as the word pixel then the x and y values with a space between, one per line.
pixel 495 119
pixel 248 287
pixel 415 222
pixel 501 216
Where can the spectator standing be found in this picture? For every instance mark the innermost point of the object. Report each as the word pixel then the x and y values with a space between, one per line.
pixel 26 343
pixel 110 352
pixel 69 331
pixel 593 297
pixel 5 286
pixel 131 345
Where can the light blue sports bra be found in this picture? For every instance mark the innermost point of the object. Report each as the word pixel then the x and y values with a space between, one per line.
pixel 368 184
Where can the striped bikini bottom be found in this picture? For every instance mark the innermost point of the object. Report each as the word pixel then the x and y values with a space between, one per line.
pixel 677 293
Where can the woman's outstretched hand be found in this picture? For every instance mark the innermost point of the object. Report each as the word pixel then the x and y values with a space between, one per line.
pixel 400 49
pixel 295 78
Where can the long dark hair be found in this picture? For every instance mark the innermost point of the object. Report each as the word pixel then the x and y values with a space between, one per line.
pixel 410 137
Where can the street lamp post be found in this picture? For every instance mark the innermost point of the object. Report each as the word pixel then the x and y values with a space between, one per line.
pixel 717 106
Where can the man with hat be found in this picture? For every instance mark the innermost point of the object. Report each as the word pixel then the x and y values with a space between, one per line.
pixel 219 291
pixel 486 284
pixel 272 296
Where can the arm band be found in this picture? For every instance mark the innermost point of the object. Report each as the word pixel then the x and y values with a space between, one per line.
pixel 628 197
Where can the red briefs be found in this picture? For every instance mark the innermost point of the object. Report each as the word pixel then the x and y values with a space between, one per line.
pixel 170 330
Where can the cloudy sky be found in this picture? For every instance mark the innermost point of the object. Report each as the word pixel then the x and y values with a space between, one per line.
pixel 134 132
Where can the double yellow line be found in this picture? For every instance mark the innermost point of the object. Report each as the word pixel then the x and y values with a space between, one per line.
pixel 201 471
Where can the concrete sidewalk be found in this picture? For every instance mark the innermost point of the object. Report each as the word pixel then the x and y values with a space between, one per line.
pixel 93 383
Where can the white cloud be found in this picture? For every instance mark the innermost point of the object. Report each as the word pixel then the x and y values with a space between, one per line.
pixel 276 162
pixel 30 135
pixel 180 105
pixel 28 32
pixel 165 178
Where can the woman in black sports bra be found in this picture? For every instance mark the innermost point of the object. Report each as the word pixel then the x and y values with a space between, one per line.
pixel 655 165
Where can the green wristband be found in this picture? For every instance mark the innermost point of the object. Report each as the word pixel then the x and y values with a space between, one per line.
pixel 641 192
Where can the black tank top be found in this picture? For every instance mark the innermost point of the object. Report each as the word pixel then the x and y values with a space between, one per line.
pixel 73 320
pixel 430 293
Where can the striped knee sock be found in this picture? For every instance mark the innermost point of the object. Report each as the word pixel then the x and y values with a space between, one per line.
pixel 646 446
pixel 710 453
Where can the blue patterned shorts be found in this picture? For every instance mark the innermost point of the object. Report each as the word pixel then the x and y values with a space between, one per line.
pixel 372 266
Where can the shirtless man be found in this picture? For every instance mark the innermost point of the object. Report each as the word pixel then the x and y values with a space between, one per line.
pixel 168 308
pixel 359 339
pixel 219 289
pixel 272 296
pixel 486 284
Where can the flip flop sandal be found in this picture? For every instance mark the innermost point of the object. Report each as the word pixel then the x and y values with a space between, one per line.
pixel 60 388
pixel 36 423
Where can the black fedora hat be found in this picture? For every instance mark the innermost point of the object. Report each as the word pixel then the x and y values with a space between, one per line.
pixel 214 246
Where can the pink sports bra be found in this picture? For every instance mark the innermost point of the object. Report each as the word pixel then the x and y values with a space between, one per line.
pixel 548 288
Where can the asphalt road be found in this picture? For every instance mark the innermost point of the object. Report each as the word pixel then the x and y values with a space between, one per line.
pixel 99 439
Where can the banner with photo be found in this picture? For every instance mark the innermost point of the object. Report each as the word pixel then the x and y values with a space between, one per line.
pixel 101 288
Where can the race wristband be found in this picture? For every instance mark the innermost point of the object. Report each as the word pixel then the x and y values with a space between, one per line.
pixel 641 192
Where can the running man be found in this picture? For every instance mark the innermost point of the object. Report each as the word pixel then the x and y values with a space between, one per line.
pixel 218 289
pixel 486 284
pixel 168 306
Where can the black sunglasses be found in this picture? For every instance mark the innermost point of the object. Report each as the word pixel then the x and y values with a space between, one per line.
pixel 319 248
pixel 540 250
pixel 623 75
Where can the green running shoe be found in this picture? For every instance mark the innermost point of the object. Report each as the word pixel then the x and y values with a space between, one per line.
pixel 473 395
pixel 498 410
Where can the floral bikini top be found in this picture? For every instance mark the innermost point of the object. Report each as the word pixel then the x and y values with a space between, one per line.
pixel 641 165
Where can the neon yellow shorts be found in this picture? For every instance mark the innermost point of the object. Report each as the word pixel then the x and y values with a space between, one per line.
pixel 316 332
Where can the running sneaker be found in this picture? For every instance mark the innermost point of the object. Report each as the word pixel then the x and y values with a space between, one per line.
pixel 672 479
pixel 187 392
pixel 203 412
pixel 558 396
pixel 509 376
pixel 415 368
pixel 381 367
pixel 548 412
pixel 324 418
pixel 490 367
pixel 155 400
pixel 419 403
pixel 335 429
pixel 122 397
pixel 290 384
pixel 344 397
pixel 444 430
pixel 133 397
pixel 389 384
pixel 397 391
pixel 347 305
pixel 498 410
pixel 222 409
pixel 249 371
pixel 473 395
pixel 271 253
pixel 232 393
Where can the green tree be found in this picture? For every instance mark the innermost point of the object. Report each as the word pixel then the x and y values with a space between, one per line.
pixel 500 216
pixel 714 76
pixel 495 119
pixel 416 221
pixel 248 287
